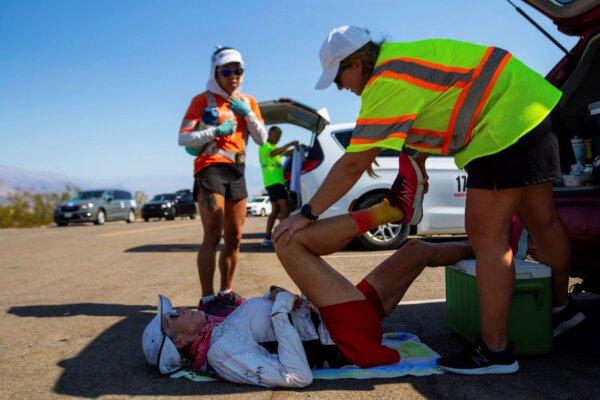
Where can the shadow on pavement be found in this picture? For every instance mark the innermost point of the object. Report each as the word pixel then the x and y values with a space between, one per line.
pixel 192 248
pixel 113 362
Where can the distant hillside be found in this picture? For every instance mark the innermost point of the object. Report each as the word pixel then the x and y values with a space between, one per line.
pixel 16 179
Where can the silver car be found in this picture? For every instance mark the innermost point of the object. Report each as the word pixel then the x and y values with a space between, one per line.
pixel 97 206
pixel 443 206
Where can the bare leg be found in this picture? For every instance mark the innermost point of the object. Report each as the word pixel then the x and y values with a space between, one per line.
pixel 271 219
pixel 551 241
pixel 392 278
pixel 235 216
pixel 322 284
pixel 211 207
pixel 284 209
pixel 487 218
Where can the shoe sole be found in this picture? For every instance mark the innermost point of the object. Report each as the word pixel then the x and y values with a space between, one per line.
pixel 418 214
pixel 492 369
pixel 566 325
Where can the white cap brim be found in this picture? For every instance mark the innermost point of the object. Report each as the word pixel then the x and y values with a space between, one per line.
pixel 228 56
pixel 327 77
pixel 155 343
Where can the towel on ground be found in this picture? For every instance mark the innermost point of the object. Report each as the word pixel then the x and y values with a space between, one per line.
pixel 417 359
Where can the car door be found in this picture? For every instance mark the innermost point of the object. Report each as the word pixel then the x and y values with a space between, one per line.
pixel 112 206
pixel 288 111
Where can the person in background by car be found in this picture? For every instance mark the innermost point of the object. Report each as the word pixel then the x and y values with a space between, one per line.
pixel 215 128
pixel 270 162
pixel 489 110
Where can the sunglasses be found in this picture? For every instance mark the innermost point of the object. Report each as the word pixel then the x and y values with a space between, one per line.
pixel 173 314
pixel 226 72
pixel 341 69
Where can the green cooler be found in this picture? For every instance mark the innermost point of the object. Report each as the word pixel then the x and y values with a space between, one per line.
pixel 530 323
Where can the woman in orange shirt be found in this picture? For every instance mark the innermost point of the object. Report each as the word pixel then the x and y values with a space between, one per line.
pixel 215 129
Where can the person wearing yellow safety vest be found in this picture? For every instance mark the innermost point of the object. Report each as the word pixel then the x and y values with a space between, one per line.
pixel 215 130
pixel 479 104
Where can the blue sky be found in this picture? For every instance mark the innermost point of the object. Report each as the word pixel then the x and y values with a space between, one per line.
pixel 97 89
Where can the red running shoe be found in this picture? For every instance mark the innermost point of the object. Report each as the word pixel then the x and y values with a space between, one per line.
pixel 407 190
pixel 222 304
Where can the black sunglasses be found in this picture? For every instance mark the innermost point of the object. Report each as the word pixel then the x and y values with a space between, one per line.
pixel 226 72
pixel 341 69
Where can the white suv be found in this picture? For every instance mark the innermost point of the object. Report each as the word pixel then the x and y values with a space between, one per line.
pixel 443 206
pixel 259 205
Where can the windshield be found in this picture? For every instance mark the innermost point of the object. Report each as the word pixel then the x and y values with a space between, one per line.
pixel 163 197
pixel 87 195
pixel 258 199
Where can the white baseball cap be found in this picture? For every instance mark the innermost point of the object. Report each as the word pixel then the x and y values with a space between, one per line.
pixel 159 350
pixel 339 44
pixel 226 55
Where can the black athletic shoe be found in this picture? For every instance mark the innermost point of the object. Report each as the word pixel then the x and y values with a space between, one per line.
pixel 567 318
pixel 480 360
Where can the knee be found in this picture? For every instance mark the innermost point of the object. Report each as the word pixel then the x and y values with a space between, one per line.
pixel 212 238
pixel 415 249
pixel 233 239
pixel 285 249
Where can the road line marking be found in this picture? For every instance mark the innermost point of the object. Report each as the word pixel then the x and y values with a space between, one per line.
pixel 359 255
pixel 157 228
pixel 422 301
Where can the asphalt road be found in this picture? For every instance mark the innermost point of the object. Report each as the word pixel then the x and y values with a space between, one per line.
pixel 75 300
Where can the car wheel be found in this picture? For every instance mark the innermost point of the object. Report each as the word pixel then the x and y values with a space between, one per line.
pixel 130 216
pixel 193 216
pixel 100 217
pixel 146 219
pixel 263 212
pixel 62 223
pixel 384 237
pixel 171 216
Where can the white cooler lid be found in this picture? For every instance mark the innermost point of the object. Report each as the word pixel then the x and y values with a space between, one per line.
pixel 524 269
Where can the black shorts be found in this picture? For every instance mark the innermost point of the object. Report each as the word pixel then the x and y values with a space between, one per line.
pixel 533 159
pixel 225 179
pixel 276 192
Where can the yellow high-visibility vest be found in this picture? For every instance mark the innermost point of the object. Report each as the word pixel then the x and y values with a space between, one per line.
pixel 452 98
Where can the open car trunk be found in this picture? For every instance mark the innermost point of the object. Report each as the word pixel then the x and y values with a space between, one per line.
pixel 578 76
pixel 288 111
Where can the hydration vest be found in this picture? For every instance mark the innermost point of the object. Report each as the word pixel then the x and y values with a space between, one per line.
pixel 210 119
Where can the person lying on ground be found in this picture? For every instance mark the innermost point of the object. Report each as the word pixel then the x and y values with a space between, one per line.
pixel 276 340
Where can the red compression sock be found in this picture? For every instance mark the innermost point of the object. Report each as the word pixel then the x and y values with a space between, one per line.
pixel 372 217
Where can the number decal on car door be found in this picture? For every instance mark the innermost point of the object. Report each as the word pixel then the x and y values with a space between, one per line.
pixel 460 185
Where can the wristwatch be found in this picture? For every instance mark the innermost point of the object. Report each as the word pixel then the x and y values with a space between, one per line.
pixel 306 212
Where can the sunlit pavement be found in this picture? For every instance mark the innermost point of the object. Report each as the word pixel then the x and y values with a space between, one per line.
pixel 75 301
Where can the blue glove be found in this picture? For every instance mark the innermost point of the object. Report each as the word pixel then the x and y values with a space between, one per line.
pixel 240 107
pixel 191 151
pixel 226 128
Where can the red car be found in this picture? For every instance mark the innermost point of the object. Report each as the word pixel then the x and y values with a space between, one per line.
pixel 578 76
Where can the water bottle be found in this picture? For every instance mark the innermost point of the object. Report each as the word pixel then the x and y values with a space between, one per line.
pixel 210 117
pixel 579 150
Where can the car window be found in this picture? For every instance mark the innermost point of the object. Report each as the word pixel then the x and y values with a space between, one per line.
pixel 343 138
pixel 170 196
pixel 87 195
pixel 188 197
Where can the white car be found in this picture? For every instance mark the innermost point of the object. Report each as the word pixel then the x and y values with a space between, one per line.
pixel 259 205
pixel 443 206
